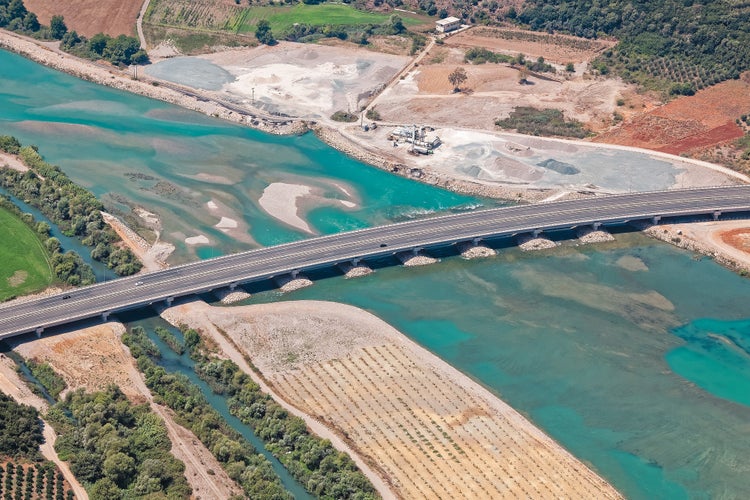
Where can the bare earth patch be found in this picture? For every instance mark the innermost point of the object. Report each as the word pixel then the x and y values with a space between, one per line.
pixel 12 161
pixel 18 278
pixel 89 17
pixel 688 124
pixel 432 431
pixel 560 49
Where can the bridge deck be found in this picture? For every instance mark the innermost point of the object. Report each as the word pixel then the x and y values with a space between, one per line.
pixel 260 264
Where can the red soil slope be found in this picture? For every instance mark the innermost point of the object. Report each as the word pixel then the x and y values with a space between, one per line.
pixel 688 123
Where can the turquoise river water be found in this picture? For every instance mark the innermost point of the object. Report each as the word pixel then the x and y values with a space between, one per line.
pixel 634 355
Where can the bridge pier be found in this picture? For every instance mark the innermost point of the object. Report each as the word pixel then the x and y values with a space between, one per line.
pixel 474 249
pixel 355 268
pixel 415 257
pixel 294 274
pixel 716 215
pixel 232 286
pixel 105 315
pixel 596 225
pixel 535 233
pixel 655 219
pixel 38 332
pixel 169 301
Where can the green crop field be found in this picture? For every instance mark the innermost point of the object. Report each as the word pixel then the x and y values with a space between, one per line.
pixel 24 267
pixel 283 18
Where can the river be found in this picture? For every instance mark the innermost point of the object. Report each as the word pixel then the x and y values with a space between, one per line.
pixel 633 354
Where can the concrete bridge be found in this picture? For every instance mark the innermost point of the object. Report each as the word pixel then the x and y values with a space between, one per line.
pixel 103 299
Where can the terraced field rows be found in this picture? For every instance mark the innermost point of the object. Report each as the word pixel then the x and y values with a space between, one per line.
pixel 431 436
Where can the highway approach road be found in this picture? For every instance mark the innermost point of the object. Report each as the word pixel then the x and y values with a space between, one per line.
pixel 255 265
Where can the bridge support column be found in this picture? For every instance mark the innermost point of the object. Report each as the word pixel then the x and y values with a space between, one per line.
pixel 475 241
pixel 105 316
pixel 355 262
pixel 295 273
pixel 232 286
pixel 169 301
pixel 536 233
pixel 38 332
pixel 596 225
pixel 716 215
pixel 655 219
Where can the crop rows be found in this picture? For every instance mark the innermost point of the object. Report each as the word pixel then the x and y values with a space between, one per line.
pixel 431 436
pixel 195 14
pixel 29 482
pixel 527 36
pixel 676 70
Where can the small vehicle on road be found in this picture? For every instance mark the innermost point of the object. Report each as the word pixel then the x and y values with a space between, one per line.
pixel 66 296
pixel 138 283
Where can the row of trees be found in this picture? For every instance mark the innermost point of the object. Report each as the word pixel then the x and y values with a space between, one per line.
pixel 313 461
pixel 33 482
pixel 302 32
pixel 68 267
pixel 20 430
pixel 701 34
pixel 242 463
pixel 72 208
pixel 117 449
pixel 120 50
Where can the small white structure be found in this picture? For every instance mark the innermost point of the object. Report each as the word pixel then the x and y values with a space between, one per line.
pixel 447 24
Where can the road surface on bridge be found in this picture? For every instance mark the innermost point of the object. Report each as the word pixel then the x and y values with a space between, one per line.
pixel 264 263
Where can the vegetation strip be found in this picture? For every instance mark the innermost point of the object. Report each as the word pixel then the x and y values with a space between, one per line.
pixel 313 461
pixel 117 449
pixel 74 209
pixel 673 45
pixel 243 465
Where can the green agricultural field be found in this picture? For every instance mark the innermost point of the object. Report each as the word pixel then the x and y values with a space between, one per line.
pixel 24 267
pixel 283 18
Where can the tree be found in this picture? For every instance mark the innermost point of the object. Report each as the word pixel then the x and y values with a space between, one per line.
pixel 57 27
pixel 263 33
pixel 570 68
pixel 523 74
pixel 457 77
pixel 396 25
pixel 16 9
pixel 97 43
pixel 31 22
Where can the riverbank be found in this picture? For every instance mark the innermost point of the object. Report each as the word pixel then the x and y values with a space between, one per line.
pixel 723 241
pixel 104 74
pixel 424 428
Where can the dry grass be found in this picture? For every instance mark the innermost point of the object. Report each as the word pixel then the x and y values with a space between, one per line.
pixel 92 358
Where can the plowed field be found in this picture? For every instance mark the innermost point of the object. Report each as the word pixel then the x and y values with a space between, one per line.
pixel 89 17
pixel 689 123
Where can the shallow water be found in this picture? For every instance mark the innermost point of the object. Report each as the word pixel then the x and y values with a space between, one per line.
pixel 132 151
pixel 591 352
pixel 632 354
